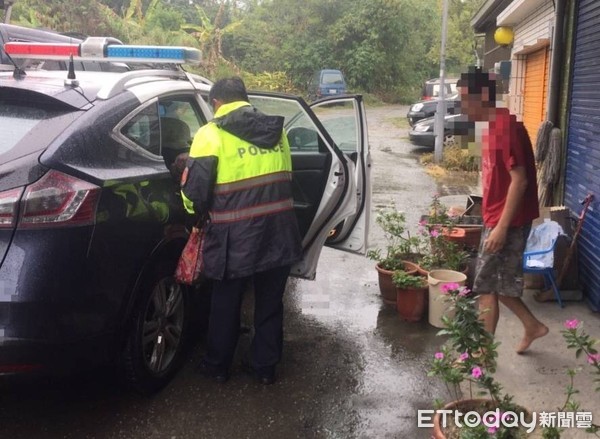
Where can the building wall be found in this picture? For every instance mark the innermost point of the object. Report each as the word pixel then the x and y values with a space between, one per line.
pixel 531 34
pixel 537 26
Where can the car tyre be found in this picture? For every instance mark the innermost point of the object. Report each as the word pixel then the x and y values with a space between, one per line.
pixel 156 341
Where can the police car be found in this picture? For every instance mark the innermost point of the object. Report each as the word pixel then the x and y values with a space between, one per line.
pixel 91 218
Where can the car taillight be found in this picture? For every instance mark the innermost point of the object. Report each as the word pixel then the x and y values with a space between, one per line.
pixel 57 200
pixel 9 203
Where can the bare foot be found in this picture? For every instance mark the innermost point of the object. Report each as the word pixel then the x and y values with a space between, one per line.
pixel 530 336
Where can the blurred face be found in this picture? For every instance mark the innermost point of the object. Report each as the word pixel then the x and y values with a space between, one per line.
pixel 476 106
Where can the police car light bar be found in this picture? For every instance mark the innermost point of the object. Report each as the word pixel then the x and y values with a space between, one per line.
pixel 104 49
pixel 36 50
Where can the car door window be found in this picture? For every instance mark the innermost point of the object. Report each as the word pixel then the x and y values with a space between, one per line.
pixel 144 129
pixel 180 119
pixel 340 121
pixel 301 130
pixel 166 126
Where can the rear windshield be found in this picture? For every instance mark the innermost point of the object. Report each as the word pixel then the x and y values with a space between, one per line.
pixel 17 120
pixel 333 78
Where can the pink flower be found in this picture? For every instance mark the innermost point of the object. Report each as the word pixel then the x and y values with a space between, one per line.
pixel 423 223
pixel 463 356
pixel 439 355
pixel 449 287
pixel 435 233
pixel 464 291
pixel 593 358
pixel 476 372
pixel 572 324
pixel 492 430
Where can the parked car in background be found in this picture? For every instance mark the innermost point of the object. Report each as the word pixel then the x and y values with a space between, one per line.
pixel 91 218
pixel 431 88
pixel 455 126
pixel 428 108
pixel 326 82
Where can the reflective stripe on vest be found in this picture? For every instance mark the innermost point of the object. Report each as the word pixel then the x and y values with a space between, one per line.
pixel 252 182
pixel 251 212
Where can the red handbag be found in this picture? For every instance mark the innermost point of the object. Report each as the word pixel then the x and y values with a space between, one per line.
pixel 191 261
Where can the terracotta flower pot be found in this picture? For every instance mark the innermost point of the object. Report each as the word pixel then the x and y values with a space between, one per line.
pixel 411 303
pixel 386 286
pixel 468 237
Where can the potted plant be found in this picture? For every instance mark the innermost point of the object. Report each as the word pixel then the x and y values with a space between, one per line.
pixel 401 251
pixel 466 364
pixel 442 251
pixel 411 295
pixel 576 338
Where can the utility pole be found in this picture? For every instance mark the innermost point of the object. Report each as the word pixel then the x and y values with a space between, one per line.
pixel 441 104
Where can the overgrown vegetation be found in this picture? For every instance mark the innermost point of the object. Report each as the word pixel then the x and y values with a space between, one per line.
pixel 386 48
pixel 454 158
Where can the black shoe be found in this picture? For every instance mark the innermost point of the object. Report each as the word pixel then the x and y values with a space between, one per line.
pixel 218 374
pixel 263 375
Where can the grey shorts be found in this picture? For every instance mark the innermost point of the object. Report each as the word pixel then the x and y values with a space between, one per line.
pixel 502 272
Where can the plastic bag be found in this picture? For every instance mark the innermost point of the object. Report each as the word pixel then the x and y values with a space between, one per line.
pixel 191 262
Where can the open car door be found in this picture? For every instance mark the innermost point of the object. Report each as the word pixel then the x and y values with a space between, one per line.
pixel 331 172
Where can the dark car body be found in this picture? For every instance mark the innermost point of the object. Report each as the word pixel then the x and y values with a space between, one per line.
pixel 455 125
pixel 326 82
pixel 92 222
pixel 424 109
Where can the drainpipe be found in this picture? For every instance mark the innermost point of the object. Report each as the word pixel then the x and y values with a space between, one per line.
pixel 556 62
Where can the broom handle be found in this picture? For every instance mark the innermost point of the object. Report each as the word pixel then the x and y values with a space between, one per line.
pixel 586 202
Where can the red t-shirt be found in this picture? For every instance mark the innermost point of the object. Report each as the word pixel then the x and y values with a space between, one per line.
pixel 506 145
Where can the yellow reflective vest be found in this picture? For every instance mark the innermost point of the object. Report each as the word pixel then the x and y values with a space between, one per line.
pixel 239 173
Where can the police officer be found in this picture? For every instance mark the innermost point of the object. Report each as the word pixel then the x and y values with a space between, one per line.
pixel 239 173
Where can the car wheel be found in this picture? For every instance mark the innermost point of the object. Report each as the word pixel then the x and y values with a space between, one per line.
pixel 155 343
pixel 450 140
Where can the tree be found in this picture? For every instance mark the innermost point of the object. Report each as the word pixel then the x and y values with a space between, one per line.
pixel 460 40
pixel 383 42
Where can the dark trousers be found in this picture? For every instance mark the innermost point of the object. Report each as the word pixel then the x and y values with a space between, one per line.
pixel 224 323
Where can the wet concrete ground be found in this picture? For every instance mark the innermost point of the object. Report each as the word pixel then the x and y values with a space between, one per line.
pixel 351 367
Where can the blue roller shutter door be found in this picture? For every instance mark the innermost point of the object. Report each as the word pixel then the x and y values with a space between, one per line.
pixel 582 175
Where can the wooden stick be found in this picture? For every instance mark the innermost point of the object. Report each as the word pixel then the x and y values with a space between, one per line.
pixel 571 250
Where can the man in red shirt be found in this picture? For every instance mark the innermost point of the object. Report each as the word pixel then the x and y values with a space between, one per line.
pixel 510 204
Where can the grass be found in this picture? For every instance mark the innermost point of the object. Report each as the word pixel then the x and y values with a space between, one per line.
pixel 454 158
pixel 400 122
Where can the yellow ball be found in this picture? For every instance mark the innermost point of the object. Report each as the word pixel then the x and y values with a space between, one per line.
pixel 503 36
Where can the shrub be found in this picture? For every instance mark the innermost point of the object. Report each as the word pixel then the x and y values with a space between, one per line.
pixel 454 158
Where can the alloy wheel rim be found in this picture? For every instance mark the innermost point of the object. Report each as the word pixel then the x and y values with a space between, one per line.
pixel 163 325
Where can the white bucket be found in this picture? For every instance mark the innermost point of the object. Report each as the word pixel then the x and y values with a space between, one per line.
pixel 438 303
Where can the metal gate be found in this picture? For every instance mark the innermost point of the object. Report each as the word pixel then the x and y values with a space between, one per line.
pixel 582 174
